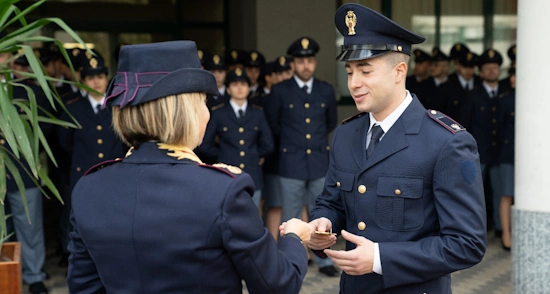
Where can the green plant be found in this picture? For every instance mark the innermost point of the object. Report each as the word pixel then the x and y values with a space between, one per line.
pixel 20 119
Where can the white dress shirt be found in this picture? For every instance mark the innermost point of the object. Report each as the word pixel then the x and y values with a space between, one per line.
pixel 301 84
pixel 236 107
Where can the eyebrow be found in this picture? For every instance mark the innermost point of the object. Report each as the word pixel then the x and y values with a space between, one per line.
pixel 361 64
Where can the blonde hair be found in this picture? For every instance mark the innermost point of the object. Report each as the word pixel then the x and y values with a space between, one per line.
pixel 172 120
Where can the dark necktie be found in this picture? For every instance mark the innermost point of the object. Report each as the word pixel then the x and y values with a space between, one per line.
pixel 98 109
pixel 376 134
pixel 304 88
pixel 241 113
pixel 493 93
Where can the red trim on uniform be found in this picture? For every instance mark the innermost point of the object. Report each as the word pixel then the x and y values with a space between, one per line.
pixel 101 165
pixel 217 168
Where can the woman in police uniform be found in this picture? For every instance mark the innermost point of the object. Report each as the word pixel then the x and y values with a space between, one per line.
pixel 159 220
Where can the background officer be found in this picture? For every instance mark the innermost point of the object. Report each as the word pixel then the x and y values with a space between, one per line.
pixel 302 112
pixel 439 70
pixel 217 66
pixel 404 185
pixel 253 64
pixel 420 71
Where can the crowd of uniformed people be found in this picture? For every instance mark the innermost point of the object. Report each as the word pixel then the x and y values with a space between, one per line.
pixel 272 119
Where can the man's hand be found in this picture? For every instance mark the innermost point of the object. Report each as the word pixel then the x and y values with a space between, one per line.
pixel 318 241
pixel 355 262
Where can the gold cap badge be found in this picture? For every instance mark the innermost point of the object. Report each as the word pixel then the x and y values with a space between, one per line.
pixel 216 59
pixel 37 53
pixel 458 47
pixel 93 63
pixel 351 21
pixel 89 55
pixel 238 72
pixel 469 57
pixel 491 53
pixel 75 52
pixel 282 60
pixel 234 54
pixel 200 53
pixel 305 43
pixel 254 56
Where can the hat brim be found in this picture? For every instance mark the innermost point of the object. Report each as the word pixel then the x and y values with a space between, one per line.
pixel 359 54
pixel 93 72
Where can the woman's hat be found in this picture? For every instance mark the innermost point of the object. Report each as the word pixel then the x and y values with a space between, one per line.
pixel 151 71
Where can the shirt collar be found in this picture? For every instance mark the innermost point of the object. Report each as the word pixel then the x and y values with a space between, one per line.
pixel 388 122
pixel 301 83
pixel 439 82
pixel 222 90
pixel 267 91
pixel 95 103
pixel 489 89
pixel 464 82
pixel 237 107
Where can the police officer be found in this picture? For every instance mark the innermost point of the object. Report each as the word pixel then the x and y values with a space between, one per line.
pixel 253 64
pixel 439 69
pixel 302 112
pixel 404 185
pixel 217 66
pixel 235 58
pixel 283 69
pixel 482 117
pixel 512 56
pixel 420 71
pixel 242 131
pixel 458 50
pixel 456 89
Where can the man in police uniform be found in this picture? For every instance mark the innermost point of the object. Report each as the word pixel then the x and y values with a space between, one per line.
pixel 482 117
pixel 302 112
pixel 217 66
pixel 427 90
pixel 253 64
pixel 456 89
pixel 421 73
pixel 404 185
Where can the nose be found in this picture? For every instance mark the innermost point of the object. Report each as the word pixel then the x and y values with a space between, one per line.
pixel 354 81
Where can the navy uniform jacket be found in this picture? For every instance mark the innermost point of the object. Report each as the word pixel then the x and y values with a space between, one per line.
pixel 482 118
pixel 212 101
pixel 428 94
pixel 155 224
pixel 412 84
pixel 507 102
pixel 94 143
pixel 301 123
pixel 454 96
pixel 242 142
pixel 419 195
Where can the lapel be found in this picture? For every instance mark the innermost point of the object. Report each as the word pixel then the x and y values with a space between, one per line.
pixel 88 110
pixel 395 140
pixel 231 114
pixel 297 90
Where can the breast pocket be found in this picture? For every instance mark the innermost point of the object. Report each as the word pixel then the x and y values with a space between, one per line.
pixel 399 204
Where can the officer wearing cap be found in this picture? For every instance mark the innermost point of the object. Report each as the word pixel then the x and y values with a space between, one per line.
pixel 439 69
pixel 457 51
pixel 420 71
pixel 404 185
pixel 482 118
pixel 217 66
pixel 456 89
pixel 242 132
pixel 160 220
pixel 283 69
pixel 253 64
pixel 302 112
pixel 512 56
pixel 235 58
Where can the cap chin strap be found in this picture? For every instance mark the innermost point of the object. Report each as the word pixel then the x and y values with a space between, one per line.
pixel 373 47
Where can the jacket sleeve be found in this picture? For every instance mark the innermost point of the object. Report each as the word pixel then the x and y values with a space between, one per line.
pixel 265 266
pixel 82 275
pixel 266 145
pixel 460 207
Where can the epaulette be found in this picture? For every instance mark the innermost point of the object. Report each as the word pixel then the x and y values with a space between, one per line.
pixel 258 107
pixel 73 101
pixel 360 114
pixel 218 106
pixel 504 94
pixel 102 165
pixel 226 169
pixel 450 124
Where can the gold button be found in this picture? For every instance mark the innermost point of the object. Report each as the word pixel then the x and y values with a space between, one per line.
pixel 100 155
pixel 482 108
pixel 256 128
pixel 494 120
pixel 323 105
pixel 99 127
pixel 241 130
pixel 241 165
pixel 308 136
pixel 456 102
pixel 284 149
pixel 505 141
pixel 241 142
pixel 362 189
pixel 397 192
pixel 99 141
pixel 308 120
pixel 328 148
pixel 399 48
pixel 494 109
pixel 291 106
pixel 494 143
pixel 434 112
pixel 78 169
pixel 513 114
pixel 494 132
pixel 2 141
pixel 225 129
pixel 306 105
pixel 308 151
pixel 241 153
pixel 361 226
pixel 338 184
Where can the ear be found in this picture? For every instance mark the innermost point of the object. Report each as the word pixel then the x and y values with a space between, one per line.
pixel 400 72
pixel 292 66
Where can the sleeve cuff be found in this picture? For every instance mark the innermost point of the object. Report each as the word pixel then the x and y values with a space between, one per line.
pixel 377 265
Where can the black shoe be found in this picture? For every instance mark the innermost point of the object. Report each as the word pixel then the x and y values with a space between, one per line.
pixel 64 260
pixel 38 288
pixel 498 233
pixel 309 262
pixel 329 270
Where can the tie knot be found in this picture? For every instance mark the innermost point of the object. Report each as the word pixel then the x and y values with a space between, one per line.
pixel 98 108
pixel 241 113
pixel 304 88
pixel 376 133
pixel 493 93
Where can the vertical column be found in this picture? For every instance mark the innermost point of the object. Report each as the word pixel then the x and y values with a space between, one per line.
pixel 531 213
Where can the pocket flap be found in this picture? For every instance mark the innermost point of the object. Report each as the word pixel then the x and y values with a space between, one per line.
pixel 395 186
pixel 344 180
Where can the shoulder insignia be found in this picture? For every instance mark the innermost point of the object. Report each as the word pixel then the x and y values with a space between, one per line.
pixel 73 101
pixel 352 117
pixel 450 124
pixel 226 169
pixel 102 165
pixel 217 106
pixel 504 94
pixel 258 107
